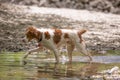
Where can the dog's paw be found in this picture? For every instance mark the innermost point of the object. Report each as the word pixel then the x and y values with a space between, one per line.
pixel 23 62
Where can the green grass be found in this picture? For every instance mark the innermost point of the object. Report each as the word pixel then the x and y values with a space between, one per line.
pixel 93 53
pixel 107 53
pixel 113 52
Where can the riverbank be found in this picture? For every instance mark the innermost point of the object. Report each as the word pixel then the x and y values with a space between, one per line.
pixel 103 29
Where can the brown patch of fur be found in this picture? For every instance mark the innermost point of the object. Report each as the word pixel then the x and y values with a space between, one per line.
pixel 57 35
pixel 82 31
pixel 66 35
pixel 47 35
pixel 38 35
pixel 32 33
pixel 80 34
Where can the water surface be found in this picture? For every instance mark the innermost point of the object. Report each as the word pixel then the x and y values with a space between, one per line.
pixel 12 69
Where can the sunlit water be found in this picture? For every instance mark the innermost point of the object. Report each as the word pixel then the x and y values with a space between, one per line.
pixel 12 69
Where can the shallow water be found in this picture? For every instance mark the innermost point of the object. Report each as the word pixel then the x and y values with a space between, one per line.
pixel 12 69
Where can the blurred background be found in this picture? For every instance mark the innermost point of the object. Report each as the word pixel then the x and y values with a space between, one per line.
pixel 100 17
pixel 112 6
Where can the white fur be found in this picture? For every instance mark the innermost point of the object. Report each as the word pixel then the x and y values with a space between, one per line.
pixel 73 41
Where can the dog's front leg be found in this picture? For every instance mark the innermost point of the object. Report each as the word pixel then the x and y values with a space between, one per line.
pixel 70 48
pixel 31 51
pixel 56 55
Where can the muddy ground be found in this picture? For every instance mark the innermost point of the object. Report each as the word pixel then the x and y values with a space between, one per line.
pixel 103 29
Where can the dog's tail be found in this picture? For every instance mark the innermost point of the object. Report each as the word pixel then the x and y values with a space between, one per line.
pixel 80 34
pixel 82 31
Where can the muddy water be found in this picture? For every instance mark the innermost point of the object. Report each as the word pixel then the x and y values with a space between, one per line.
pixel 12 69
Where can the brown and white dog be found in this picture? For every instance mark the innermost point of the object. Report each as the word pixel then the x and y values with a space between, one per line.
pixel 54 38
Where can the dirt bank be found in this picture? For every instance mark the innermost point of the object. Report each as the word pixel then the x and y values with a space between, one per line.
pixel 112 6
pixel 103 29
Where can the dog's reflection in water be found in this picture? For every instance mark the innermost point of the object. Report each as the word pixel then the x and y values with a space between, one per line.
pixel 67 70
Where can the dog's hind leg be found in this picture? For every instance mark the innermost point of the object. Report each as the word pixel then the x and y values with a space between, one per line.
pixel 70 48
pixel 81 47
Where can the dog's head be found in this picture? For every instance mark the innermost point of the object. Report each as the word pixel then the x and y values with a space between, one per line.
pixel 33 33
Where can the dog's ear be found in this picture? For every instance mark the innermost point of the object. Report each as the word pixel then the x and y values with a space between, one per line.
pixel 34 33
pixel 30 29
pixel 30 33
